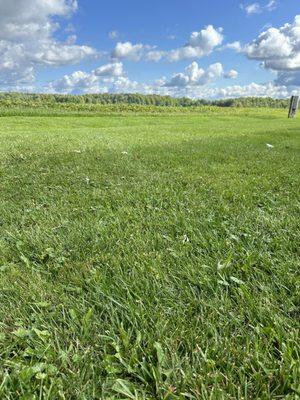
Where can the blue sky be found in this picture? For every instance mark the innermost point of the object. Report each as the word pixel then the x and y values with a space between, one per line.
pixel 194 48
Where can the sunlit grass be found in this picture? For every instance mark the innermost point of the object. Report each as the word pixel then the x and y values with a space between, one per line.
pixel 150 257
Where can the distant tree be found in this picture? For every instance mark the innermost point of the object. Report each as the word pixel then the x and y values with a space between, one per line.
pixel 52 100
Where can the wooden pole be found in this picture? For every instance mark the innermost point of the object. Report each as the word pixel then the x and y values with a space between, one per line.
pixel 293 106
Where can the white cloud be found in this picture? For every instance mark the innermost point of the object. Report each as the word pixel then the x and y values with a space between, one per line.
pixel 232 74
pixel 196 76
pixel 278 48
pixel 99 80
pixel 127 50
pixel 256 8
pixel 20 12
pixel 284 64
pixel 111 78
pixel 251 90
pixel 71 39
pixel 27 38
pixel 178 80
pixel 78 81
pixel 253 8
pixel 207 92
pixel 113 69
pixel 270 44
pixel 155 55
pixel 193 83
pixel 55 54
pixel 236 46
pixel 125 85
pixel 200 44
pixel 272 5
pixel 207 39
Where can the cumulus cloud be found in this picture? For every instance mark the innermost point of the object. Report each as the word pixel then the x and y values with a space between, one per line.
pixel 278 48
pixel 178 80
pixel 27 29
pixel 83 83
pixel 206 92
pixel 192 83
pixel 155 55
pixel 113 69
pixel 232 74
pixel 129 51
pixel 101 79
pixel 111 78
pixel 196 76
pixel 17 14
pixel 125 85
pixel 76 82
pixel 236 46
pixel 251 90
pixel 199 44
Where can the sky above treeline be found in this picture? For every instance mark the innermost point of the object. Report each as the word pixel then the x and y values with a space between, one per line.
pixel 195 48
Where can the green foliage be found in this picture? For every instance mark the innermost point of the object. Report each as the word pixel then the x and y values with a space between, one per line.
pixel 150 257
pixel 95 102
pixel 250 102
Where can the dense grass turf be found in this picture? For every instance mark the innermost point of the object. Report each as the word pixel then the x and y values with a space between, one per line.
pixel 147 257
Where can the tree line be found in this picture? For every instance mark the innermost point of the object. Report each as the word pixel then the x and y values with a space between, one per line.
pixel 51 100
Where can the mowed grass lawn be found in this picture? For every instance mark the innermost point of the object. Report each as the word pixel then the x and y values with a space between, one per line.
pixel 150 257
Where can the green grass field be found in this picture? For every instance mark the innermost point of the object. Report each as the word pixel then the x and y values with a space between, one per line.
pixel 150 257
